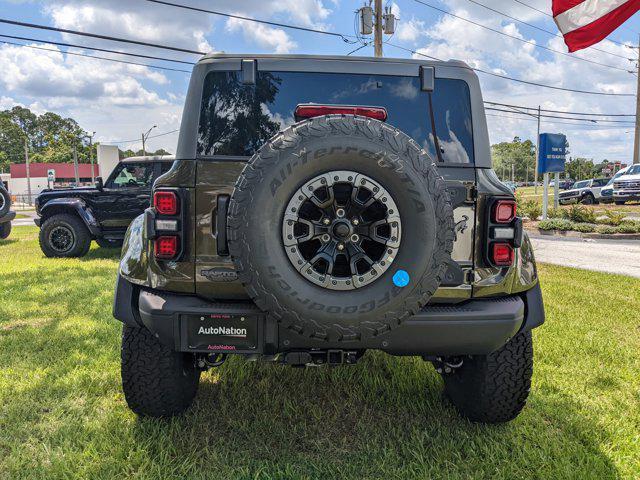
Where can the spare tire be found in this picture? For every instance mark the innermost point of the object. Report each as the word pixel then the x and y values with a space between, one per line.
pixel 340 227
pixel 5 201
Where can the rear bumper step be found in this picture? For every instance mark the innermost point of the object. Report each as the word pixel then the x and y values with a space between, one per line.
pixel 473 327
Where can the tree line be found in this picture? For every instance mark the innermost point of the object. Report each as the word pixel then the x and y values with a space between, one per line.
pixel 518 158
pixel 50 138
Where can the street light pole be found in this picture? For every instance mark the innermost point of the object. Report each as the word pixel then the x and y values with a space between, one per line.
pixel 26 159
pixel 535 172
pixel 90 137
pixel 636 140
pixel 145 136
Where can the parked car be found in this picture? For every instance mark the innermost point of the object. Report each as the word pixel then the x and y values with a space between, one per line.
pixel 584 191
pixel 70 218
pixel 565 184
pixel 310 241
pixel 606 192
pixel 627 187
pixel 6 215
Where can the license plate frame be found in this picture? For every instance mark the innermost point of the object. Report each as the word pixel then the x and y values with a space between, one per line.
pixel 221 332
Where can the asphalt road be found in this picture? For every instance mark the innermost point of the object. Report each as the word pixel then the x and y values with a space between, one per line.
pixel 619 256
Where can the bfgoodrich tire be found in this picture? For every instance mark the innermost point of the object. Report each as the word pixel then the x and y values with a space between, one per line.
pixel 493 388
pixel 372 159
pixel 64 236
pixel 157 382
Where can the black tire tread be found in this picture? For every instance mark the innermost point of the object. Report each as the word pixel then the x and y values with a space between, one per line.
pixel 6 204
pixel 5 230
pixel 494 388
pixel 267 158
pixel 157 381
pixel 83 237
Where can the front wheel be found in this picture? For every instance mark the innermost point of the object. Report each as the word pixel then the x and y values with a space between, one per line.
pixel 493 388
pixel 64 235
pixel 588 200
pixel 5 230
pixel 157 381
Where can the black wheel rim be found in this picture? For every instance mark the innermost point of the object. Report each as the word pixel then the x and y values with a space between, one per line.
pixel 341 230
pixel 61 238
pixel 3 202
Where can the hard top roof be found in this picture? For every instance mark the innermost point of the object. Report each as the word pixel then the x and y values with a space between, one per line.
pixel 425 61
pixel 150 158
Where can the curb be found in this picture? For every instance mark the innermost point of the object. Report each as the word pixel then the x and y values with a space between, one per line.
pixel 574 234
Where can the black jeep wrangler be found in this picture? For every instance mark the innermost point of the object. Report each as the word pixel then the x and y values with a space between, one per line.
pixel 320 207
pixel 70 218
pixel 6 215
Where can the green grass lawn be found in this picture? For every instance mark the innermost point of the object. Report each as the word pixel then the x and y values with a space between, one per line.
pixel 63 415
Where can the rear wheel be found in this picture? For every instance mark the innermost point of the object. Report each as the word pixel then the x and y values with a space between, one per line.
pixel 157 381
pixel 5 230
pixel 64 235
pixel 493 388
pixel 588 199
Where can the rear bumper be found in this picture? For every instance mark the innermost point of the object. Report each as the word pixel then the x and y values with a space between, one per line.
pixel 8 217
pixel 470 328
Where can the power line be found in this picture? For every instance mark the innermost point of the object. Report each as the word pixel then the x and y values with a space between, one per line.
pixel 92 56
pixel 562 111
pixel 555 34
pixel 518 80
pixel 580 125
pixel 249 19
pixel 102 37
pixel 528 42
pixel 62 44
pixel 137 139
pixel 627 122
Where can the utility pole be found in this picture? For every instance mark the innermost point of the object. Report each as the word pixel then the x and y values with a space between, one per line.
pixel 535 172
pixel 26 161
pixel 636 141
pixel 75 163
pixel 377 29
pixel 377 21
pixel 93 176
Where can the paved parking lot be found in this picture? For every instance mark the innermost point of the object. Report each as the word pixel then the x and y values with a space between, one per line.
pixel 619 256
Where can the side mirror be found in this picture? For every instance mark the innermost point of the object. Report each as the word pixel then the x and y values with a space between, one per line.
pixel 99 183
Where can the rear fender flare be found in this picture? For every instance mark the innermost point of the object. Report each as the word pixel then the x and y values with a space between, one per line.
pixel 75 205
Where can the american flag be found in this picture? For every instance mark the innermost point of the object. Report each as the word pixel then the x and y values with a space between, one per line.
pixel 586 22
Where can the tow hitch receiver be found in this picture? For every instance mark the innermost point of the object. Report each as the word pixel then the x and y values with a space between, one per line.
pixel 321 357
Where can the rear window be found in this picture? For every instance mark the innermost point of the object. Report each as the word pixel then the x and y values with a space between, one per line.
pixel 236 119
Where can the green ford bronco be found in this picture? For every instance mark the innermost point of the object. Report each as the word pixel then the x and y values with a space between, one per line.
pixel 320 207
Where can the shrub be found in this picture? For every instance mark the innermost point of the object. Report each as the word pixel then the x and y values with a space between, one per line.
pixel 556 224
pixel 613 218
pixel 584 227
pixel 607 229
pixel 531 209
pixel 554 212
pixel 628 227
pixel 580 214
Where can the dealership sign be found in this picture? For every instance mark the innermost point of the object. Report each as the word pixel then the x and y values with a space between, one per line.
pixel 552 152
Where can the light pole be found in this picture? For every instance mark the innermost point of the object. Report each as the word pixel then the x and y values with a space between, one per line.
pixel 145 136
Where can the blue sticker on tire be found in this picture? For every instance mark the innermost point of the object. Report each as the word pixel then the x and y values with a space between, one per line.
pixel 401 278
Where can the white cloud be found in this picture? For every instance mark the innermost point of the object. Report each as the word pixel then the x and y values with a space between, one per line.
pixel 269 38
pixel 410 31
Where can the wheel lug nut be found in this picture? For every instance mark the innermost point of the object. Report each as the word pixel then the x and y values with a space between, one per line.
pixel 325 238
pixel 340 212
pixel 326 221
pixel 355 237
pixel 340 246
pixel 355 221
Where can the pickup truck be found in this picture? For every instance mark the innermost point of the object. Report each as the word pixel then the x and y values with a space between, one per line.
pixel 584 191
pixel 627 187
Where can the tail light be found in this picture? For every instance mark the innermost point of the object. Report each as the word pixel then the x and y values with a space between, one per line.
pixel 502 254
pixel 165 223
pixel 166 247
pixel 312 110
pixel 504 211
pixel 165 202
pixel 504 232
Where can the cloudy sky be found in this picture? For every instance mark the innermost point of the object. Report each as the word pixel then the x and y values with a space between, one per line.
pixel 120 101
